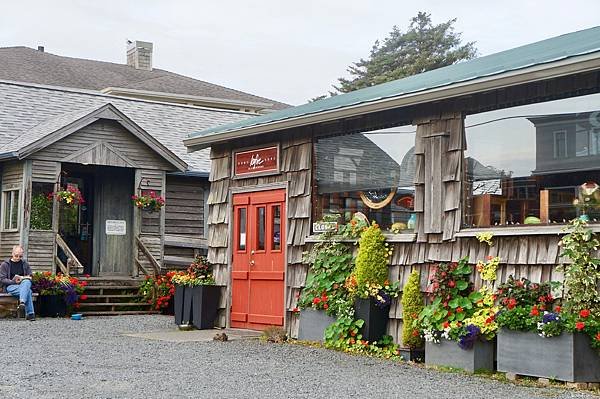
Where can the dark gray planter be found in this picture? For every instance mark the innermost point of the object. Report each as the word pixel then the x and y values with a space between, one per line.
pixel 205 305
pixel 448 353
pixel 413 355
pixel 375 318
pixel 568 357
pixel 313 324
pixel 183 305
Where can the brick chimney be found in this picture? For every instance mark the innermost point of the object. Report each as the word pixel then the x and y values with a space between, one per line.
pixel 139 55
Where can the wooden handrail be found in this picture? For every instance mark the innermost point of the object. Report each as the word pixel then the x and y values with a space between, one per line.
pixel 65 248
pixel 62 267
pixel 140 266
pixel 149 256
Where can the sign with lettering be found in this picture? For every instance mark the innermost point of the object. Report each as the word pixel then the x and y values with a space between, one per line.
pixel 116 227
pixel 257 161
pixel 324 227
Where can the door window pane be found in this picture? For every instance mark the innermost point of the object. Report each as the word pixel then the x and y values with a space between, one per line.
pixel 242 229
pixel 260 212
pixel 276 227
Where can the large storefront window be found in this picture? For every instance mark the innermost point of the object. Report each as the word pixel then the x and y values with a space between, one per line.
pixel 534 164
pixel 371 173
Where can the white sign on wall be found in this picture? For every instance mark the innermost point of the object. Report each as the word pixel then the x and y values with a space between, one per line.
pixel 116 227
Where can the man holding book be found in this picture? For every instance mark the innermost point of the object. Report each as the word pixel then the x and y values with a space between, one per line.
pixel 15 276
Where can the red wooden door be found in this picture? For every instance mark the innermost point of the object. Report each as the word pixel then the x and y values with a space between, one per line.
pixel 258 287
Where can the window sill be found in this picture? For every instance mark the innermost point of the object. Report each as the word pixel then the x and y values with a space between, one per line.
pixel 522 230
pixel 389 237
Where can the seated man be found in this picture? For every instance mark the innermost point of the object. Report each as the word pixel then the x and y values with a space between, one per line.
pixel 15 276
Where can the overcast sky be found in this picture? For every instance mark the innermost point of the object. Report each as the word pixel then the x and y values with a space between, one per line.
pixel 284 50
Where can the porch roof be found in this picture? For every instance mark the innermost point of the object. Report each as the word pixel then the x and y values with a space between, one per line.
pixel 557 56
pixel 30 112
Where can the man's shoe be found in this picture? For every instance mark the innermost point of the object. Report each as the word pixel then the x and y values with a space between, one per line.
pixel 31 317
pixel 21 310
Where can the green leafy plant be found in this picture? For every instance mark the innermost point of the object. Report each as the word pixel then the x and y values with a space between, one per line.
pixel 372 258
pixel 41 212
pixel 412 305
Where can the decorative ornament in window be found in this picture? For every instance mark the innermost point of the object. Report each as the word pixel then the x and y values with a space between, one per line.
pixel 377 199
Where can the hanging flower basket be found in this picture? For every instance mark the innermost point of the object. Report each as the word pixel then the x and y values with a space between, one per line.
pixel 150 202
pixel 70 196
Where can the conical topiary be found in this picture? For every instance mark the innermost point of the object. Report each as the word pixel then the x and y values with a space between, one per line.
pixel 372 258
pixel 412 305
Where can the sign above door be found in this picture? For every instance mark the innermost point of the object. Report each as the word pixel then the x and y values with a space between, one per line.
pixel 256 161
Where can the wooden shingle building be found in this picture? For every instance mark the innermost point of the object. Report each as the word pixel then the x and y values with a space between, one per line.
pixel 109 148
pixel 501 143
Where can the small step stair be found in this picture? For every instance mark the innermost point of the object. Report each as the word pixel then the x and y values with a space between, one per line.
pixel 113 297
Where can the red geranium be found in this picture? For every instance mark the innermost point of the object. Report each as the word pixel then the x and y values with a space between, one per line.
pixel 584 313
pixel 579 325
pixel 535 311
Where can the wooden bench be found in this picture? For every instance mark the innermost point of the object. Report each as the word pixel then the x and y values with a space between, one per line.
pixel 8 304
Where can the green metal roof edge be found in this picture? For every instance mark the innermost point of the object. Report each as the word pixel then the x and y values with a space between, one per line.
pixel 546 51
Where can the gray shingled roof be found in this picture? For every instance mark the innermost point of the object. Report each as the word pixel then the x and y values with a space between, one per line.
pixel 23 64
pixel 29 112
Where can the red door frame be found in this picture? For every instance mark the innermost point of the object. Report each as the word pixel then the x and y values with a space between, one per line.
pixel 256 271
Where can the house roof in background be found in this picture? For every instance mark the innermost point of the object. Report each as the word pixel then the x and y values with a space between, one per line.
pixel 553 50
pixel 29 112
pixel 24 64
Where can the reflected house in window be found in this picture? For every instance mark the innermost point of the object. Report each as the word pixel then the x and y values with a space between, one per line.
pixel 567 142
pixel 352 167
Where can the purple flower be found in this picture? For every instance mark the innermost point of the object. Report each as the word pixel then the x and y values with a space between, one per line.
pixel 549 317
pixel 467 340
pixel 385 300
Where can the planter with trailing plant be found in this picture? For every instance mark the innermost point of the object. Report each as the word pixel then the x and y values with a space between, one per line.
pixel 413 348
pixel 196 295
pixel 369 284
pixel 459 325
pixel 148 201
pixel 58 294
pixel 543 336
pixel 324 296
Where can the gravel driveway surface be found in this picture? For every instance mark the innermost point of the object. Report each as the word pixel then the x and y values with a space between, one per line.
pixel 60 358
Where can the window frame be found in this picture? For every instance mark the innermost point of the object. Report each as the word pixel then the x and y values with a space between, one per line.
pixel 10 191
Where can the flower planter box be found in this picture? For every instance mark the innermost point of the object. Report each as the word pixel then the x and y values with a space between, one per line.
pixel 448 353
pixel 51 306
pixel 413 355
pixel 375 318
pixel 567 357
pixel 313 324
pixel 183 305
pixel 205 305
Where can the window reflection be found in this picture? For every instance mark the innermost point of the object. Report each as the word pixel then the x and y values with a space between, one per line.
pixel 276 243
pixel 261 228
pixel 242 229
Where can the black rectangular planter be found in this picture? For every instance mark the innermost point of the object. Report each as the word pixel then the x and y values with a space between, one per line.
pixel 448 353
pixel 205 305
pixel 375 318
pixel 183 305
pixel 313 324
pixel 568 357
pixel 51 306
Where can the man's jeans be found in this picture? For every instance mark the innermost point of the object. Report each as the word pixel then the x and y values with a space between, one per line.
pixel 23 292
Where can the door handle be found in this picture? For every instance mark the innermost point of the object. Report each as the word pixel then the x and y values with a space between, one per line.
pixel 252 252
pixel 251 263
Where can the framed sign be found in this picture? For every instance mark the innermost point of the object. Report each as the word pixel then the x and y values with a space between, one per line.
pixel 324 227
pixel 256 161
pixel 116 227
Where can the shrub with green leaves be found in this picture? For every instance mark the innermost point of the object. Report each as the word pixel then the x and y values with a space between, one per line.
pixel 412 305
pixel 372 259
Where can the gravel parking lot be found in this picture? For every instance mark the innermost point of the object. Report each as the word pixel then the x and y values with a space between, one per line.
pixel 60 358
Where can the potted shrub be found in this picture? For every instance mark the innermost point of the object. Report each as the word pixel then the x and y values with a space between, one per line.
pixel 58 294
pixel 412 305
pixel 541 338
pixel 196 295
pixel 369 284
pixel 324 293
pixel 459 314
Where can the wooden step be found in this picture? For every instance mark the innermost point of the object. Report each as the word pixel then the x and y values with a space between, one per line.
pixel 118 313
pixel 124 304
pixel 95 296
pixel 112 287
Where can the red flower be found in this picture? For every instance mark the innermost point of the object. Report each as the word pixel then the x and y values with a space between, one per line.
pixel 584 313
pixel 446 324
pixel 86 275
pixel 451 283
pixel 295 310
pixel 459 309
pixel 83 297
pixel 325 306
pixel 580 325
pixel 316 300
pixel 511 303
pixel 535 311
pixel 557 309
pixel 415 333
pixel 598 337
pixel 353 333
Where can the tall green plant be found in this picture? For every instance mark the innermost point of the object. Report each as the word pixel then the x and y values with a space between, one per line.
pixel 372 258
pixel 412 305
pixel 582 275
pixel 41 212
